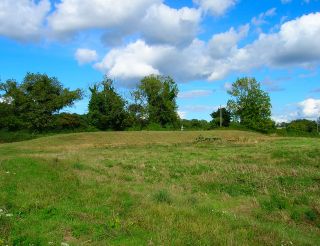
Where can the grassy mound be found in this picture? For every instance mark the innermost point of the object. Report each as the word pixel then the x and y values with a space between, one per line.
pixel 151 188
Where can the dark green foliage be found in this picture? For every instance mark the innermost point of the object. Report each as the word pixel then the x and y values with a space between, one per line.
pixel 302 125
pixel 33 103
pixel 136 116
pixel 251 106
pixel 66 121
pixel 226 118
pixel 106 107
pixel 195 124
pixel 156 96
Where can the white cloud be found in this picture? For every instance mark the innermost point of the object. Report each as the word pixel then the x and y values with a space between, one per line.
pixel 261 19
pixel 133 61
pixel 152 20
pixel 84 56
pixel 224 44
pixel 182 114
pixel 295 44
pixel 194 94
pixel 23 19
pixel 216 7
pixel 309 108
pixel 163 24
pixel 139 59
pixel 76 15
pixel 306 109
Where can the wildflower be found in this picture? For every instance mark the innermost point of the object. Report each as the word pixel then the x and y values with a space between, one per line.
pixel 9 215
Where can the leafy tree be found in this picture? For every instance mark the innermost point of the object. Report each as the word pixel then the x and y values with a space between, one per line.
pixel 157 96
pixel 226 118
pixel 250 105
pixel 36 100
pixel 136 116
pixel 106 107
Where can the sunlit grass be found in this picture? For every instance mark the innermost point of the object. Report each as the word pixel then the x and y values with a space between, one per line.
pixel 160 188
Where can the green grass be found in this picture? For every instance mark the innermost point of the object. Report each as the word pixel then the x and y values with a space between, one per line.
pixel 160 188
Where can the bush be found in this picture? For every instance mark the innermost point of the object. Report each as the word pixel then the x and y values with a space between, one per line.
pixel 65 121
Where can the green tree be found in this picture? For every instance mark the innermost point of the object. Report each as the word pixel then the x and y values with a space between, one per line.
pixel 157 96
pixel 36 100
pixel 106 107
pixel 250 105
pixel 136 116
pixel 226 118
pixel 302 125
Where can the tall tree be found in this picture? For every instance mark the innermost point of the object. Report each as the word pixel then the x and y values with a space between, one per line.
pixel 37 98
pixel 250 105
pixel 157 95
pixel 106 107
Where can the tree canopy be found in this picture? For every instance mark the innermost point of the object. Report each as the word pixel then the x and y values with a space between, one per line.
pixel 226 117
pixel 157 97
pixel 32 103
pixel 106 106
pixel 250 105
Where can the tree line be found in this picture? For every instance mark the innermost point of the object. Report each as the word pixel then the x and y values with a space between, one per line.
pixel 35 105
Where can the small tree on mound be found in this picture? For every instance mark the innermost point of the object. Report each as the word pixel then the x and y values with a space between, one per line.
pixel 225 115
pixel 106 107
pixel 157 95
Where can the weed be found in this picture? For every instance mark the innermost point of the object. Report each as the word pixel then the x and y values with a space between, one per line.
pixel 163 196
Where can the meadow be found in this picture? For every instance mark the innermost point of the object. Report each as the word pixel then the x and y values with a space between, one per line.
pixel 160 188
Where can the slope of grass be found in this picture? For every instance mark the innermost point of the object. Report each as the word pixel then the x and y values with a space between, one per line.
pixel 160 188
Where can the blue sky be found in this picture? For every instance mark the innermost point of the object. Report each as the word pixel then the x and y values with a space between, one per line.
pixel 205 45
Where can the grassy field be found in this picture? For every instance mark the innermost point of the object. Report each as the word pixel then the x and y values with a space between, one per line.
pixel 160 188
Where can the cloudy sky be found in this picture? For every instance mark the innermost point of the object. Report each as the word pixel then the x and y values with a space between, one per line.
pixel 203 44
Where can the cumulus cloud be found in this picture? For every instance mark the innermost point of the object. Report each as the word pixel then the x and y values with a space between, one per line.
pixel 309 108
pixel 23 19
pixel 306 109
pixel 295 44
pixel 84 56
pixel 194 94
pixel 154 21
pixel 216 7
pixel 139 59
pixel 133 61
pixel 163 24
pixel 76 15
pixel 225 44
